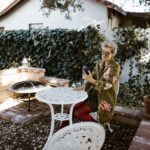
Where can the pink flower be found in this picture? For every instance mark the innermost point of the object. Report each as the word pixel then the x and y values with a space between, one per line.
pixel 104 105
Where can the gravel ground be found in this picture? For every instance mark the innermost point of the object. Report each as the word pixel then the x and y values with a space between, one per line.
pixel 121 137
pixel 34 135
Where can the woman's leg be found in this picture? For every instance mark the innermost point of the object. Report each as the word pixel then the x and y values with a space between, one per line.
pixel 82 113
pixel 77 106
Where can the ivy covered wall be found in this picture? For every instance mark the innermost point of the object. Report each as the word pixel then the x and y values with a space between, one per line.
pixel 61 52
pixel 134 57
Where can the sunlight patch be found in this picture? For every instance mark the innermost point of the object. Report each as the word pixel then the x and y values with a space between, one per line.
pixel 10 102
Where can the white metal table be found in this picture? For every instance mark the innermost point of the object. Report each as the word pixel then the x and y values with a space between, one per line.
pixel 60 96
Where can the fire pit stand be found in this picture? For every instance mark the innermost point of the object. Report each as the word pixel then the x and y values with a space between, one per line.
pixel 27 87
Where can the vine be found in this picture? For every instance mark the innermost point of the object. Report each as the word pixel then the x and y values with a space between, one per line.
pixel 61 52
pixel 133 45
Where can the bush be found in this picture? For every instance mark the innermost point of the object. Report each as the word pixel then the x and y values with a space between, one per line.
pixel 133 45
pixel 130 42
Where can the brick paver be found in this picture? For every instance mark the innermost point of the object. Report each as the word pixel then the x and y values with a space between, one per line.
pixel 20 114
pixel 141 140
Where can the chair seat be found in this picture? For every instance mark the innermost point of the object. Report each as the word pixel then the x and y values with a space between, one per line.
pixel 78 136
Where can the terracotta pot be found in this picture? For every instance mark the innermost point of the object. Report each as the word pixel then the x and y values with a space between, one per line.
pixel 147 103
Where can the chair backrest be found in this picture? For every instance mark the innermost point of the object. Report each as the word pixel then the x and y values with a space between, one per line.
pixel 78 136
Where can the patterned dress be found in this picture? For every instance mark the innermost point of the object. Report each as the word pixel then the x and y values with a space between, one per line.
pixel 107 87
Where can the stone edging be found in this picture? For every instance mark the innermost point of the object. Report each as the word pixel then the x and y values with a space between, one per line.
pixel 31 69
pixel 141 140
pixel 55 81
pixel 128 115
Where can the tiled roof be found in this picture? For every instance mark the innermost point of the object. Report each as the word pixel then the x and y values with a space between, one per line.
pixel 112 6
pixel 10 7
pixel 105 2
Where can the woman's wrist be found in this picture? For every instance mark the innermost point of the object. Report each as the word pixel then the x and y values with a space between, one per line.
pixel 93 81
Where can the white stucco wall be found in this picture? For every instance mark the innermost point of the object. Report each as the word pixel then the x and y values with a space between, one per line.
pixel 94 13
pixel 124 77
pixel 126 68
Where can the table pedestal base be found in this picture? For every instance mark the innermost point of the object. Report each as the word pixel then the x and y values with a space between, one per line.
pixel 60 117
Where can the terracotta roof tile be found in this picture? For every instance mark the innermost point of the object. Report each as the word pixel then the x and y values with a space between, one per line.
pixel 112 6
pixel 105 2
pixel 10 7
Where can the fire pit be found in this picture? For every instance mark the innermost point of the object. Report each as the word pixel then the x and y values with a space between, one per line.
pixel 28 87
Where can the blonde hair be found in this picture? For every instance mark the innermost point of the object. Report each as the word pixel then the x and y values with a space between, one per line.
pixel 112 45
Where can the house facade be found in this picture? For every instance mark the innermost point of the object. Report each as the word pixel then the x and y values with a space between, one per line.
pixel 25 14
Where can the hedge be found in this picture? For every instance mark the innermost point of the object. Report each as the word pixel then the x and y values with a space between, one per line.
pixel 61 52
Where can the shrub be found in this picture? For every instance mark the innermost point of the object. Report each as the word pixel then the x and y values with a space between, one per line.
pixel 133 45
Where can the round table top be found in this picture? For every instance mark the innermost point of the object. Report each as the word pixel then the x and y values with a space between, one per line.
pixel 61 95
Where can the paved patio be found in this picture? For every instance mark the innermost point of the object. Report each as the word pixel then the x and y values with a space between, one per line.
pixel 20 114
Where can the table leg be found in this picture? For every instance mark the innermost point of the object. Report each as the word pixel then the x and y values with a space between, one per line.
pixel 29 102
pixel 52 120
pixel 71 113
pixel 62 108
pixel 52 127
pixel 62 111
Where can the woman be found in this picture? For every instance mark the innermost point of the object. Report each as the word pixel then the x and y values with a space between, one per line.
pixel 102 87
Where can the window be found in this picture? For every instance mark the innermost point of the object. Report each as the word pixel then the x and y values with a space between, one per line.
pixel 2 29
pixel 35 25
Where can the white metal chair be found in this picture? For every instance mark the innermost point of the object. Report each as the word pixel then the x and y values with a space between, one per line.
pixel 78 136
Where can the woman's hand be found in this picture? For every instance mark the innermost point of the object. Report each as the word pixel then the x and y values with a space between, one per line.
pixel 88 77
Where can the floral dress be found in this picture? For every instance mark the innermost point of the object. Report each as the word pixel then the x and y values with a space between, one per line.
pixel 107 86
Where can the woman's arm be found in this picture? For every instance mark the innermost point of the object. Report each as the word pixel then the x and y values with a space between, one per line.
pixel 88 84
pixel 107 83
